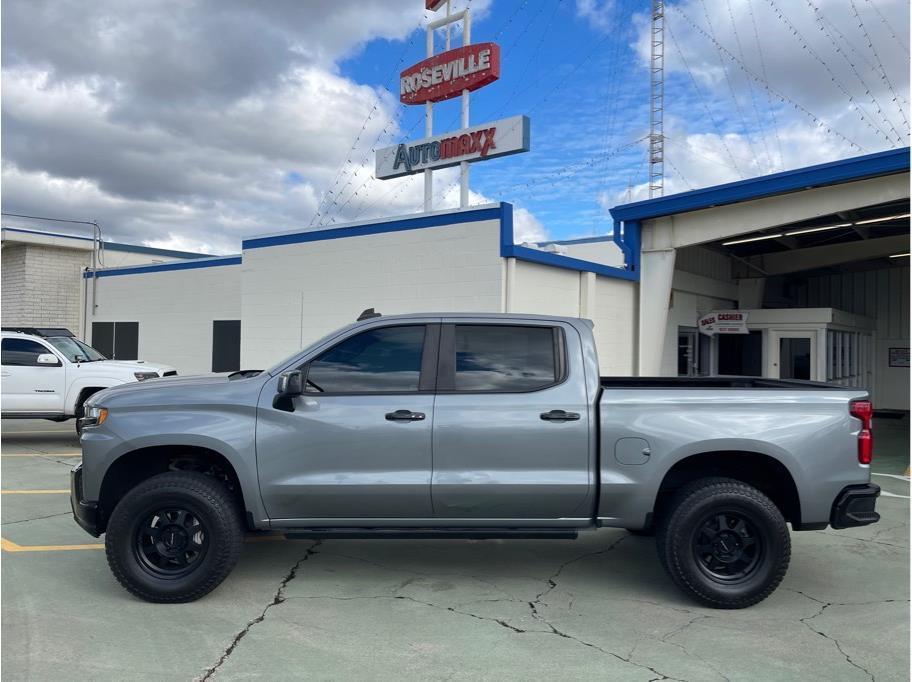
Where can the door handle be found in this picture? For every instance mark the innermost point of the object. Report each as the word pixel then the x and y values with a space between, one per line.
pixel 404 416
pixel 560 416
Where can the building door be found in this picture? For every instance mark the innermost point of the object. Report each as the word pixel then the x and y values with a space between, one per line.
pixel 793 355
pixel 687 352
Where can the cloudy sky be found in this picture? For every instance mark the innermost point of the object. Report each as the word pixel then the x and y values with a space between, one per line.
pixel 192 124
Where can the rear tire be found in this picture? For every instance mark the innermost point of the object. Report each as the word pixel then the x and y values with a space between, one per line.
pixel 174 537
pixel 724 543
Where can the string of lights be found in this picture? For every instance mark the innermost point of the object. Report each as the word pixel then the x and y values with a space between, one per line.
pixel 769 97
pixel 833 78
pixel 750 87
pixel 703 100
pixel 728 79
pixel 822 26
pixel 883 72
pixel 785 99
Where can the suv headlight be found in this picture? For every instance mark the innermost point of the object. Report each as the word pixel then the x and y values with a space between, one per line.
pixel 142 376
pixel 94 416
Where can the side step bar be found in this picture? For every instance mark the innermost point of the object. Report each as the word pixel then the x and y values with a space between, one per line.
pixel 431 534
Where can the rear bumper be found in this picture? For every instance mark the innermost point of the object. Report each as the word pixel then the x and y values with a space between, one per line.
pixel 855 506
pixel 85 513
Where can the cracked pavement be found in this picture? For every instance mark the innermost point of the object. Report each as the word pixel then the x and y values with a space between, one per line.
pixel 599 607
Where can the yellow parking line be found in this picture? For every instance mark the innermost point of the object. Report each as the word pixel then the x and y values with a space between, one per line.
pixel 34 492
pixel 10 546
pixel 42 454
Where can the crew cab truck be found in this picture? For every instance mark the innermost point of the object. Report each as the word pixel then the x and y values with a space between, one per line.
pixel 47 373
pixel 468 425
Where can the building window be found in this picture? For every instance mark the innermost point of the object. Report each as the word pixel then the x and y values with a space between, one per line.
pixel 116 340
pixel 226 345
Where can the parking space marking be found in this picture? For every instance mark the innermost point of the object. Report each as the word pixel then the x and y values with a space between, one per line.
pixel 886 494
pixel 901 478
pixel 10 546
pixel 34 492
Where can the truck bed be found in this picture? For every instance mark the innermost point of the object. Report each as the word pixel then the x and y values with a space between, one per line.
pixel 718 382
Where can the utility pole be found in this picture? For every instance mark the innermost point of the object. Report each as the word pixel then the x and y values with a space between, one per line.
pixel 657 101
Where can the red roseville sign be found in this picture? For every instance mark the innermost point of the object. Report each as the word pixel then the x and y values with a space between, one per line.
pixel 433 5
pixel 447 74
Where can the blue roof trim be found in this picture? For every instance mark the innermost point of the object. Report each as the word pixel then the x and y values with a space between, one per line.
pixel 835 172
pixel 115 246
pixel 510 250
pixel 581 240
pixel 165 267
pixel 560 261
pixel 375 228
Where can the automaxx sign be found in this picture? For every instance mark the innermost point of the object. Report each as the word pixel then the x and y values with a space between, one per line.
pixel 486 141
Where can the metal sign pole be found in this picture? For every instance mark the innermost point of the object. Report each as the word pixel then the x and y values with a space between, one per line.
pixel 464 166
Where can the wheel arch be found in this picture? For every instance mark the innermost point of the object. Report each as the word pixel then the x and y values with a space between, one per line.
pixel 135 466
pixel 765 472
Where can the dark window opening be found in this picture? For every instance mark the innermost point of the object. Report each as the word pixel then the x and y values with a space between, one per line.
pixel 116 340
pixel 226 345
pixel 741 354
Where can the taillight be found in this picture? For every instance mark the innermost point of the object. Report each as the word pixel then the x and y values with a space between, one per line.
pixel 864 410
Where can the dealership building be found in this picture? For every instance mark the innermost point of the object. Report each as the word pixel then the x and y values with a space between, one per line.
pixel 812 263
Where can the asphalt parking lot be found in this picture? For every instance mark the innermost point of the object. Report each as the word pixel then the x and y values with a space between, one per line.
pixel 599 607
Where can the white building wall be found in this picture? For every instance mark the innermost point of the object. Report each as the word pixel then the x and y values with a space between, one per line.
pixel 884 296
pixel 294 294
pixel 545 290
pixel 614 314
pixel 609 302
pixel 41 286
pixel 175 310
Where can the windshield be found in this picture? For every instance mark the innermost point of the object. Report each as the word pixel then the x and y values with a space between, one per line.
pixel 75 350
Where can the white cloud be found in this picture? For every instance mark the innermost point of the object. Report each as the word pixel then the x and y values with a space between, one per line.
pixel 755 132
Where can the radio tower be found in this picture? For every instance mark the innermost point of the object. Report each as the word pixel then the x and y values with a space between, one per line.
pixel 656 101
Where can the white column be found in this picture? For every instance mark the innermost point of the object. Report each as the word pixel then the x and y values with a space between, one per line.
pixel 429 130
pixel 587 295
pixel 464 165
pixel 657 260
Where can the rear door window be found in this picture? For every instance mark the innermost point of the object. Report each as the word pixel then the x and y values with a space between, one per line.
pixel 505 358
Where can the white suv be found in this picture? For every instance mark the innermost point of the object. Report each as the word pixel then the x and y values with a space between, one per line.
pixel 49 374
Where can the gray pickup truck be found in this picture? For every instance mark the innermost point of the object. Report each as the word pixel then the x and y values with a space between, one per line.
pixel 468 426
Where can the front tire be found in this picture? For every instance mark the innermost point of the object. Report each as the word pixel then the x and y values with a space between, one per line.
pixel 724 543
pixel 174 537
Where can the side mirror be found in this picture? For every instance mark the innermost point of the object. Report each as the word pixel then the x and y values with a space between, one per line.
pixel 48 359
pixel 291 383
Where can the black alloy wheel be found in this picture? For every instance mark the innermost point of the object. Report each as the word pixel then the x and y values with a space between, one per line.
pixel 727 546
pixel 723 542
pixel 175 536
pixel 171 542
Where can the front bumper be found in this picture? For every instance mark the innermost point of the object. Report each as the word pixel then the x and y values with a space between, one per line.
pixel 855 506
pixel 85 513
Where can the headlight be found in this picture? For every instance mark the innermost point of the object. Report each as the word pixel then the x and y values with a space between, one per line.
pixel 94 416
pixel 142 376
